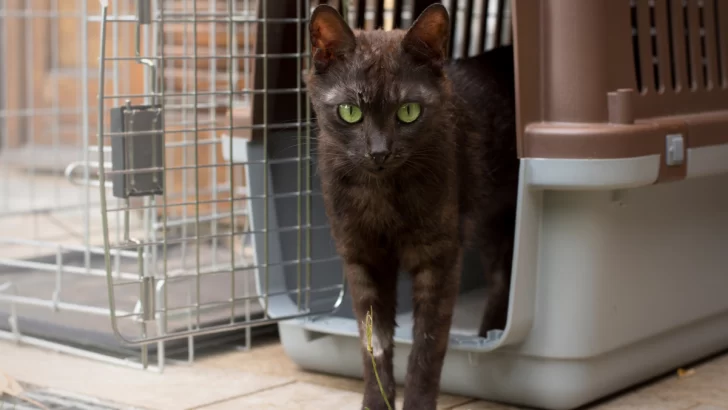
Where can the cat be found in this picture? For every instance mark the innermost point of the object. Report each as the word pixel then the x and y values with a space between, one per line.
pixel 417 159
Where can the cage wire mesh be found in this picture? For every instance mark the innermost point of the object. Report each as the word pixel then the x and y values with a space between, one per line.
pixel 51 276
pixel 179 162
pixel 182 201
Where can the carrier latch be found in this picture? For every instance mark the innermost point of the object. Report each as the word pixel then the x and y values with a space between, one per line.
pixel 674 150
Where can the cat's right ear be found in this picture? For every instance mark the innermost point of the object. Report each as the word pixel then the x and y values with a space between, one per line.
pixel 331 37
pixel 427 39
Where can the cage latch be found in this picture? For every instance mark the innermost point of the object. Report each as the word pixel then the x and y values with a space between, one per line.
pixel 674 150
pixel 137 150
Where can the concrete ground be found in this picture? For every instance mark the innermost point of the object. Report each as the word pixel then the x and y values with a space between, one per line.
pixel 264 378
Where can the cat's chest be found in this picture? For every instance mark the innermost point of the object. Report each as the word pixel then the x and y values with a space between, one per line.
pixel 374 209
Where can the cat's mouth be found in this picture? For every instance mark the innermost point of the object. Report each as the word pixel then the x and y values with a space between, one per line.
pixel 381 170
pixel 384 167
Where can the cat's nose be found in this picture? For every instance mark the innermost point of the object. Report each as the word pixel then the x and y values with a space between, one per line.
pixel 379 157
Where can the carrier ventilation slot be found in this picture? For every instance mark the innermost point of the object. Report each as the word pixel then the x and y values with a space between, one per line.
pixel 679 45
pixel 477 25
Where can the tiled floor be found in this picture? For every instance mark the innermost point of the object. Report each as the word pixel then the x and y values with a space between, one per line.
pixel 265 378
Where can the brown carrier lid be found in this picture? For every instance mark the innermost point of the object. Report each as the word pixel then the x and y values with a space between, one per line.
pixel 612 79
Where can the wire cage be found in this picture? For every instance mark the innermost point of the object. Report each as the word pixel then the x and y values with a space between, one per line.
pixel 51 281
pixel 53 223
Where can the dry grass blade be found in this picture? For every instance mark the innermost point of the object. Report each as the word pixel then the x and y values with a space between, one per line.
pixel 369 326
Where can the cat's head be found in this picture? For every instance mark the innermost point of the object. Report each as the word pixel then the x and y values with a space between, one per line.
pixel 380 97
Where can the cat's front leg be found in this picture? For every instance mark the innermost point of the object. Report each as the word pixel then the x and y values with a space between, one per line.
pixel 374 289
pixel 435 287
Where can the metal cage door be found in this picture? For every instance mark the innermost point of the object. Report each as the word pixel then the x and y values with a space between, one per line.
pixel 210 184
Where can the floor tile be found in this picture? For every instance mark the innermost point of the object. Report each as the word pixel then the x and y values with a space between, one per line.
pixel 294 396
pixel 707 385
pixel 272 360
pixel 445 401
pixel 481 405
pixel 645 401
pixel 179 387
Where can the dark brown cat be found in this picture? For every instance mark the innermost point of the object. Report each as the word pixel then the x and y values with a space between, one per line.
pixel 418 161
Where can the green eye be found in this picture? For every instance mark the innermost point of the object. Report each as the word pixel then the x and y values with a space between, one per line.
pixel 409 112
pixel 350 113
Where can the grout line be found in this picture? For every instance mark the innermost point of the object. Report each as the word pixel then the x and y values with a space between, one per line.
pixel 466 402
pixel 273 387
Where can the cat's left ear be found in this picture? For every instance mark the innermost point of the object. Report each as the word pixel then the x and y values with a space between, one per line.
pixel 331 37
pixel 429 35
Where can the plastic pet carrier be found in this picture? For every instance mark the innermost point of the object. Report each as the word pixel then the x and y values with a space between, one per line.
pixel 621 260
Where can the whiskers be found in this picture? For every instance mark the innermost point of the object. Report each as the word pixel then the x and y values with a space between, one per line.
pixel 430 161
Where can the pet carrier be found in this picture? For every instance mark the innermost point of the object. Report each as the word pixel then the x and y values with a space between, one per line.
pixel 620 266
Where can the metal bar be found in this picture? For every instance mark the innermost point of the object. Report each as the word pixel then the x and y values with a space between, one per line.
pixel 197 163
pixel 129 245
pixel 53 246
pixel 225 327
pixel 266 166
pixel 102 177
pixel 206 18
pixel 181 204
pixel 40 266
pixel 213 114
pixel 231 172
pixel 59 348
pixel 244 56
pixel 163 325
pixel 30 90
pixel 222 304
pixel 247 99
pixel 152 169
pixel 308 176
pixel 299 146
pixel 70 307
pixel 180 275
